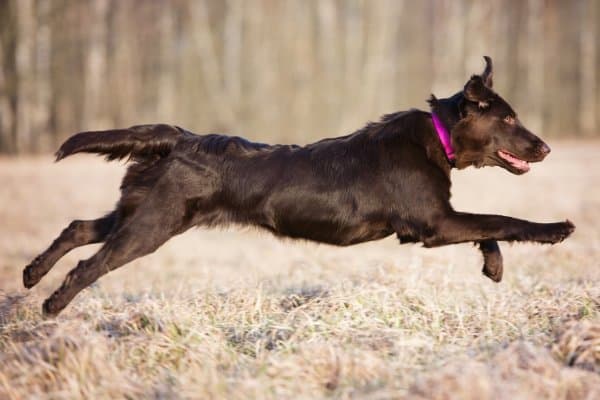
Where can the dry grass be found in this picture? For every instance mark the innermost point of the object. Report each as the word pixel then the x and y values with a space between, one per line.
pixel 239 314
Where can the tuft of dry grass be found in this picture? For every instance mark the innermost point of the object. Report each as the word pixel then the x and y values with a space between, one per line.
pixel 520 371
pixel 579 345
pixel 239 314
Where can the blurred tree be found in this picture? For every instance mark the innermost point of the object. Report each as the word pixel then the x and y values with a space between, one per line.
pixel 589 74
pixel 8 77
pixel 284 70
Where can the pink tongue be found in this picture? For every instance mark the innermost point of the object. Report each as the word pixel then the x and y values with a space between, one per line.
pixel 514 161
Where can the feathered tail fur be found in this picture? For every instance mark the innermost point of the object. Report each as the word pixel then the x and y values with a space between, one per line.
pixel 142 142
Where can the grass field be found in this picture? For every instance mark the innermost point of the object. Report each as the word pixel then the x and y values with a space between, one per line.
pixel 239 314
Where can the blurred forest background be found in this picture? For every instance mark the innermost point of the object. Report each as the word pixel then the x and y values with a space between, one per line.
pixel 285 70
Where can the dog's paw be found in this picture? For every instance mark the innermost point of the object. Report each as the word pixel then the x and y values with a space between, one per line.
pixel 493 271
pixel 494 274
pixel 493 266
pixel 50 308
pixel 30 278
pixel 559 231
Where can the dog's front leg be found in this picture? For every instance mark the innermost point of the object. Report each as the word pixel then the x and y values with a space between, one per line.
pixel 492 259
pixel 459 227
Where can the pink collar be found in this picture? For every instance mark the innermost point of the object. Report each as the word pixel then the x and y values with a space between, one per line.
pixel 444 136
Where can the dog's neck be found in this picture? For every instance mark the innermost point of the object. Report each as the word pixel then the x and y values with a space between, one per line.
pixel 446 113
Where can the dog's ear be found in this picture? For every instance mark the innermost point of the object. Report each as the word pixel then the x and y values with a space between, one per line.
pixel 488 72
pixel 477 92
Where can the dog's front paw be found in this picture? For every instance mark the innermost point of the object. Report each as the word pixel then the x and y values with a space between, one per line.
pixel 559 231
pixel 493 271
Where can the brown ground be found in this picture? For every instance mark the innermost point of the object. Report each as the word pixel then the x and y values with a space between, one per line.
pixel 240 314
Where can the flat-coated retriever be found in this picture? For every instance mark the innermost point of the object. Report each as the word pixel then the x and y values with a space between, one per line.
pixel 392 176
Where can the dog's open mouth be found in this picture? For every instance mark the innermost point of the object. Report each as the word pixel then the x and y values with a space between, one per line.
pixel 514 161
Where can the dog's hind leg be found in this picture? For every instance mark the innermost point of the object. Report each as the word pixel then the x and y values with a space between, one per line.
pixel 492 259
pixel 122 247
pixel 78 233
pixel 153 223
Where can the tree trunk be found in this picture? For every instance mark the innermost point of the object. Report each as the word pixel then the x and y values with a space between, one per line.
pixel 95 66
pixel 25 74
pixel 8 77
pixel 588 67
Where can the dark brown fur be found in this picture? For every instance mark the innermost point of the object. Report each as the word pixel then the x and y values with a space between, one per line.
pixel 389 177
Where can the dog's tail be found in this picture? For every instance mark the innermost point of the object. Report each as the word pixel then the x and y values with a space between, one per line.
pixel 142 142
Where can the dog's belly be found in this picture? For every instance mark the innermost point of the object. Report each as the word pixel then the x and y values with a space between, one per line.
pixel 327 231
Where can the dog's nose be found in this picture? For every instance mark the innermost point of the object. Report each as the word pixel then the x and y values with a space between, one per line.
pixel 545 149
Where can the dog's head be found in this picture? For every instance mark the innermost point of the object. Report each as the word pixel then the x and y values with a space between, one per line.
pixel 485 129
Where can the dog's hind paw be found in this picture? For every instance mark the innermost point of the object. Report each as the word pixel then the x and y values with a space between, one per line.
pixel 49 308
pixel 30 279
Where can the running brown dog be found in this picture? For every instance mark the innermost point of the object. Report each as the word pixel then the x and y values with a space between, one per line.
pixel 392 176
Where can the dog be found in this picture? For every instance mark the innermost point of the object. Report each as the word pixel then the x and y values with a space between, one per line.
pixel 390 177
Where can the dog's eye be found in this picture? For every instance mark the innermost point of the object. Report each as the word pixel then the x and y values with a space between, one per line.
pixel 509 120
